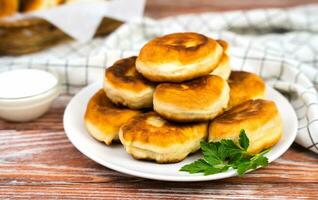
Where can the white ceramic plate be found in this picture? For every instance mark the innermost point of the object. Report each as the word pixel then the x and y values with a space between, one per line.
pixel 116 158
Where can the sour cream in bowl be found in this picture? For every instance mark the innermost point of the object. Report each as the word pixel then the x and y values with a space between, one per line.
pixel 26 94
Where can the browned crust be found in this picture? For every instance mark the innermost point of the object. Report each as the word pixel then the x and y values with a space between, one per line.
pixel 123 74
pixel 185 48
pixel 259 118
pixel 104 114
pixel 170 133
pixel 259 109
pixel 252 114
pixel 244 86
pixel 194 94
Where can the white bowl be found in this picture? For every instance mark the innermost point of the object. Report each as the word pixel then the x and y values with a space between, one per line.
pixel 21 106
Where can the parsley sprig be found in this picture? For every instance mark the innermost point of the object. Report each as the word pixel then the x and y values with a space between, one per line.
pixel 225 154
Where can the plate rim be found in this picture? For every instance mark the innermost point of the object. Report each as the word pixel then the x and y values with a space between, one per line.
pixel 132 172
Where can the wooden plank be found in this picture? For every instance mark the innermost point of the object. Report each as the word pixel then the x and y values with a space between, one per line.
pixel 162 190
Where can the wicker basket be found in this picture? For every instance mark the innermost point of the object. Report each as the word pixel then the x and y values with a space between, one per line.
pixel 32 35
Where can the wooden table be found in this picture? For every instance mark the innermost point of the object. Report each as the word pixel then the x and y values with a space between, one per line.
pixel 38 161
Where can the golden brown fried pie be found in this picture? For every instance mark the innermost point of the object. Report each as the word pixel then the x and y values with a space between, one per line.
pixel 187 79
pixel 125 86
pixel 259 118
pixel 196 100
pixel 103 119
pixel 149 136
pixel 178 57
pixel 245 86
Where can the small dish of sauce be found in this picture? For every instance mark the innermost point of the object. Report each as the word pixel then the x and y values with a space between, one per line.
pixel 26 94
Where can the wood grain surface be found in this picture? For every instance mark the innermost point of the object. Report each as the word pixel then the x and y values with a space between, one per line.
pixel 38 162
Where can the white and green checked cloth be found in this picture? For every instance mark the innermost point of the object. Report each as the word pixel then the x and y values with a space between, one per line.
pixel 281 45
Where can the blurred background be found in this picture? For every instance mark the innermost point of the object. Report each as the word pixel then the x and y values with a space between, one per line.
pixel 165 8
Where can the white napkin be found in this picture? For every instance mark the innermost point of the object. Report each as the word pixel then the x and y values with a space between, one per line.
pixel 81 20
pixel 281 45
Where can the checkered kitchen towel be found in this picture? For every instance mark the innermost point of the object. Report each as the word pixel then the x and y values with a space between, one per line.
pixel 281 45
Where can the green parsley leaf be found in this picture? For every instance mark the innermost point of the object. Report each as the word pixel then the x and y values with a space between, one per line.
pixel 216 170
pixel 245 165
pixel 196 167
pixel 210 153
pixel 260 161
pixel 242 167
pixel 232 151
pixel 243 140
pixel 220 156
